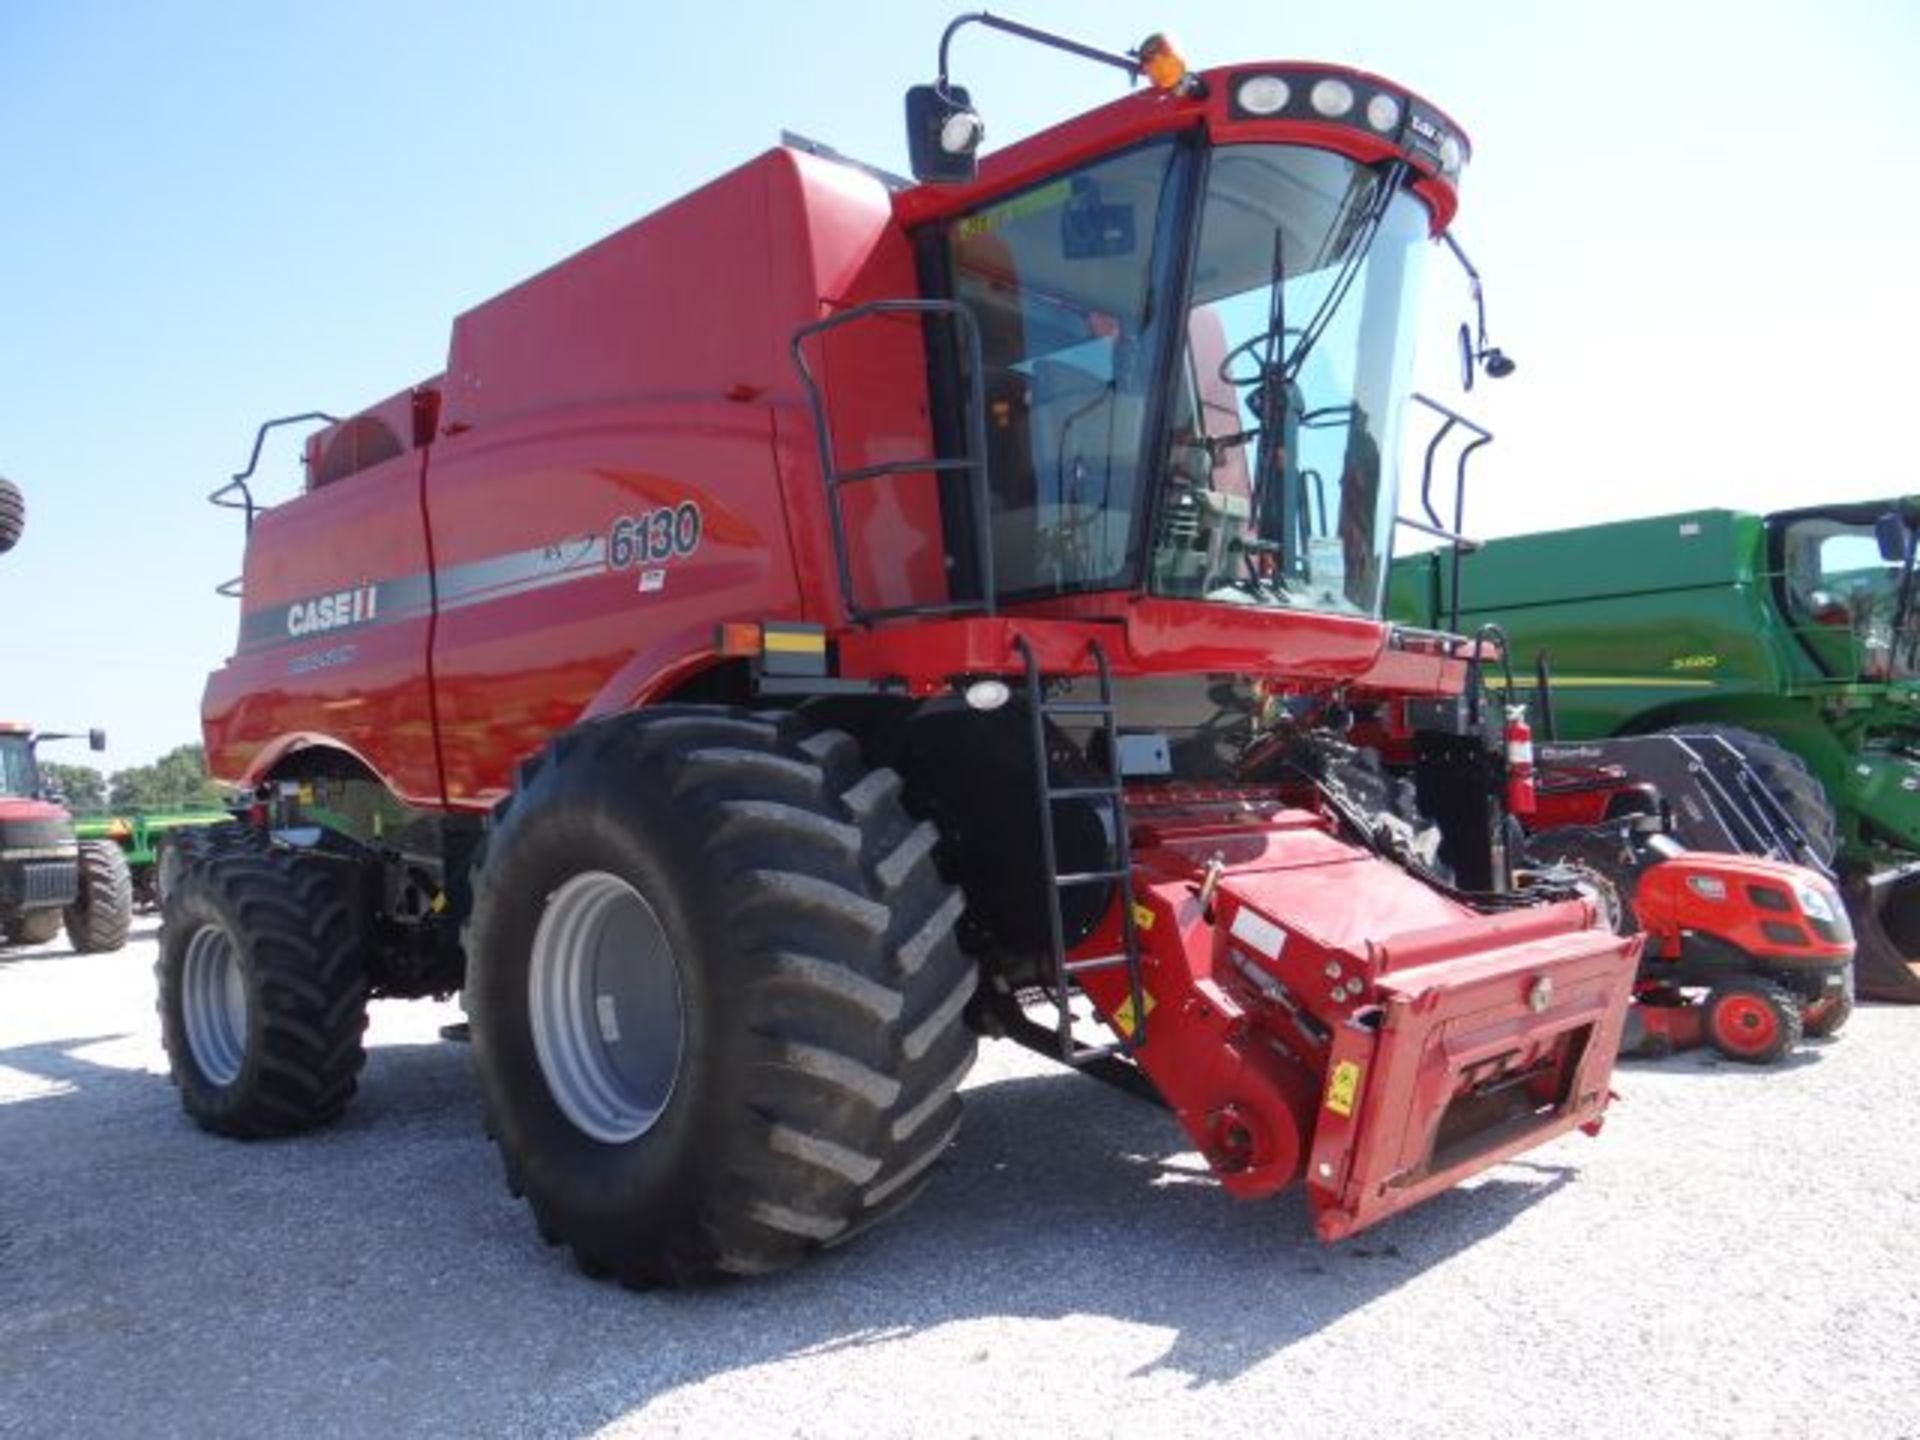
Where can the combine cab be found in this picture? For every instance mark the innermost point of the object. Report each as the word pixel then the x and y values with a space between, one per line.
pixel 835 617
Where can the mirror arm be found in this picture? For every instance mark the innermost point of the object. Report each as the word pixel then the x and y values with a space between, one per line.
pixel 1473 283
pixel 1027 32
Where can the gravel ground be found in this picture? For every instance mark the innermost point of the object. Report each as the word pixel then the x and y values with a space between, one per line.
pixel 1739 1254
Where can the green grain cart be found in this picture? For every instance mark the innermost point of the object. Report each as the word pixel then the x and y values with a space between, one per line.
pixel 1794 635
pixel 144 840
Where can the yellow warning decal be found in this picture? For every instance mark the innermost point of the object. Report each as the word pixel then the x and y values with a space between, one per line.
pixel 1142 917
pixel 1342 1085
pixel 1123 1017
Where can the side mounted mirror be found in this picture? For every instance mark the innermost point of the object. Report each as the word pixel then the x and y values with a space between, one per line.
pixel 1891 533
pixel 96 739
pixel 943 134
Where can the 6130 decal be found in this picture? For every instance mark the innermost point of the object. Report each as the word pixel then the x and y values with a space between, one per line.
pixel 654 536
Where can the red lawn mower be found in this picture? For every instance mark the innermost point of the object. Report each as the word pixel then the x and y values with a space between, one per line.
pixel 1748 952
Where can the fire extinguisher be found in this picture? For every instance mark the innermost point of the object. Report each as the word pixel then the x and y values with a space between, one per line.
pixel 1519 741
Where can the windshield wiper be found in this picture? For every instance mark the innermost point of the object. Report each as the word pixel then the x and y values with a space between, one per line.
pixel 1358 249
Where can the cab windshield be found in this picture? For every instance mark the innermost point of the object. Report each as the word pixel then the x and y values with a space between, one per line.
pixel 19 778
pixel 1842 596
pixel 1280 490
pixel 1258 471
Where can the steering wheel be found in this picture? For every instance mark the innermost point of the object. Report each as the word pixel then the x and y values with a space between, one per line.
pixel 1251 343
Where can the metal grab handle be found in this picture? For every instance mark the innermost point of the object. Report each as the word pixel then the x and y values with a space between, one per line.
pixel 1482 436
pixel 975 461
pixel 239 481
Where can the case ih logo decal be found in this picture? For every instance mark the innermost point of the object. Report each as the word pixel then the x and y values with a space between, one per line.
pixel 337 611
pixel 654 537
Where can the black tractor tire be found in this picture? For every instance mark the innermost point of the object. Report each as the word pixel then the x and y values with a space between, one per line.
pixel 1787 779
pixel 34 927
pixel 1886 932
pixel 1752 1020
pixel 271 933
pixel 180 847
pixel 1828 1015
pixel 99 919
pixel 13 515
pixel 811 1079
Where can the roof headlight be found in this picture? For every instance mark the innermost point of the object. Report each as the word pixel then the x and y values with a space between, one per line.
pixel 1383 113
pixel 1264 95
pixel 1450 153
pixel 1331 96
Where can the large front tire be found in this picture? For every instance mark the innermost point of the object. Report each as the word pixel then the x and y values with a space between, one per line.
pixel 715 993
pixel 99 919
pixel 263 993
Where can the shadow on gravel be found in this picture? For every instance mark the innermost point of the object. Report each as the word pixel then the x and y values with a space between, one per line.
pixel 1062 1199
pixel 144 928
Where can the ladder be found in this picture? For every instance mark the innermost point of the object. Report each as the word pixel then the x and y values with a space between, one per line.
pixel 1114 868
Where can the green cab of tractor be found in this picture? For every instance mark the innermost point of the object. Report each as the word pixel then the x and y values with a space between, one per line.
pixel 1794 635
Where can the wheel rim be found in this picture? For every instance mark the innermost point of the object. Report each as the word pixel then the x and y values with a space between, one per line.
pixel 604 999
pixel 213 1005
pixel 1746 1023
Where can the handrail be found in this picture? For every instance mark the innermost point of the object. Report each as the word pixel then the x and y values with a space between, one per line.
pixel 1482 436
pixel 240 478
pixel 975 460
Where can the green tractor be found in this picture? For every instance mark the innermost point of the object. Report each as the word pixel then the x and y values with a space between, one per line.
pixel 1792 636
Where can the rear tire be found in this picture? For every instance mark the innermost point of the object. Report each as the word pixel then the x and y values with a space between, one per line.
pixel 99 920
pixel 263 993
pixel 1828 1015
pixel 799 1008
pixel 36 927
pixel 180 847
pixel 1787 779
pixel 1752 1020
pixel 13 515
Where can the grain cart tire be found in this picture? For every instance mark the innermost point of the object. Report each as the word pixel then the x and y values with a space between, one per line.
pixel 1885 912
pixel 263 992
pixel 1751 1020
pixel 13 515
pixel 99 919
pixel 36 927
pixel 1787 779
pixel 715 994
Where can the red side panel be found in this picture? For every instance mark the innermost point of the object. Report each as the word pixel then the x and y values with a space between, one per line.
pixel 625 460
pixel 333 635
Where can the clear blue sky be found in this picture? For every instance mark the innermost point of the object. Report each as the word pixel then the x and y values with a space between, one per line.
pixel 1697 223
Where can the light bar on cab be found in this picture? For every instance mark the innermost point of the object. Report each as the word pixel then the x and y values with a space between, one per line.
pixel 1427 137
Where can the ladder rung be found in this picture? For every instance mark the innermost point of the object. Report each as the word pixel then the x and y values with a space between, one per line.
pixel 1086 792
pixel 1090 877
pixel 1082 1054
pixel 1096 962
pixel 1076 707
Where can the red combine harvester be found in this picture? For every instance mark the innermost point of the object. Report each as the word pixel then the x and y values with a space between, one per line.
pixel 836 616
